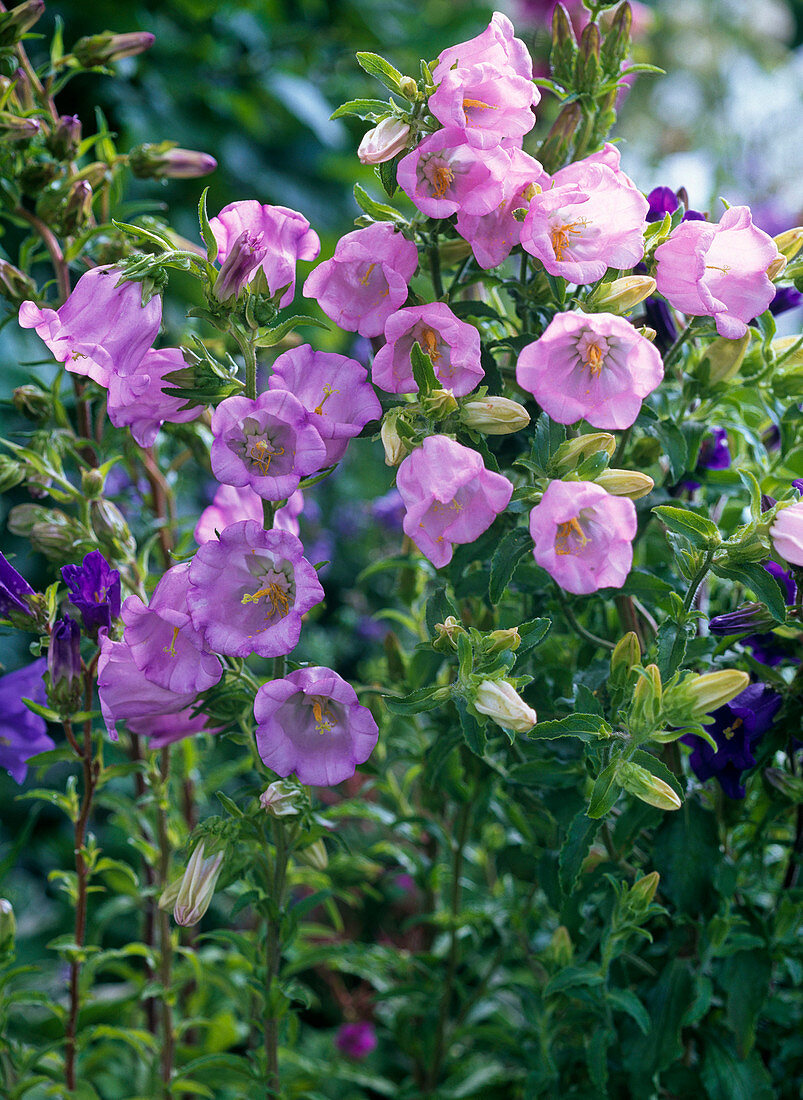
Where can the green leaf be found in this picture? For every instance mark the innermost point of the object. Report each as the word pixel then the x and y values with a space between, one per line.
pixel 272 336
pixel 473 732
pixel 658 768
pixel 362 108
pixel 423 371
pixel 573 976
pixel 386 172
pixel 43 712
pixel 424 699
pixel 671 640
pixel 698 530
pixel 511 549
pixel 586 727
pixel 376 210
pixel 686 847
pixel 668 1002
pixel 605 791
pixel 531 633
pixel 439 608
pixel 745 978
pixel 626 1001
pixel 206 229
pixel 378 67
pixel 727 1077
pixel 763 584
pixel 574 850
pixel 229 804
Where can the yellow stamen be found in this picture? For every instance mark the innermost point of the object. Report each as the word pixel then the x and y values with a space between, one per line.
pixel 564 533
pixel 323 717
pixel 595 359
pixel 327 393
pixel 276 597
pixel 367 275
pixel 731 730
pixel 429 342
pixel 468 103
pixel 171 649
pixel 260 455
pixel 561 237
pixel 441 179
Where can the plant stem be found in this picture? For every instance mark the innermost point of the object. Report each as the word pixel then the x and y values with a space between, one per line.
pixel 574 623
pixel 435 265
pixel 250 356
pixel 273 955
pixel 149 931
pixel 165 938
pixel 696 581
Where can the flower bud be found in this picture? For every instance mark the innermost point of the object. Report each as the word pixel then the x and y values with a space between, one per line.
pixel 503 705
pixel 621 295
pixel 724 357
pixel 750 618
pixel 77 208
pixel 446 634
pixel 617 39
pixel 626 653
pixel 102 49
pixel 11 473
pixel 625 483
pixel 790 242
pixel 396 448
pixel 191 895
pixel 64 139
pixel 643 891
pixel 96 174
pixel 587 66
pixel 453 251
pixel 156 162
pixel 777 267
pixel 696 696
pixel 645 710
pixel 494 416
pixel 92 483
pixel 438 404
pixel 561 949
pixel 64 664
pixel 782 345
pixel 500 640
pixel 282 799
pixel 8 929
pixel 109 524
pixel 564 46
pixel 15 23
pixel 647 332
pixel 384 141
pixel 573 452
pixel 236 271
pixel 646 786
pixel 314 855
pixel 51 531
pixel 15 285
pixel 408 88
pixel 14 128
pixel 555 146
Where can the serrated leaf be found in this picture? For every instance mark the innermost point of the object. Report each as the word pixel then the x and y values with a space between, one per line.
pixel 362 108
pixel 378 67
pixel 376 210
pixel 760 581
pixel 511 549
pixel 424 699
pixel 272 336
pixel 386 172
pixel 699 530
pixel 531 633
pixel 586 727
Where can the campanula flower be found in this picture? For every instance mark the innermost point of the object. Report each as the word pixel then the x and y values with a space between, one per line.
pixel 452 345
pixel 497 46
pixel 356 1040
pixel 445 174
pixel 787 533
pixel 94 589
pixel 14 593
pixel 144 400
pixel 231 504
pixel 165 729
pixel 384 141
pixel 23 734
pixel 126 693
pixel 488 104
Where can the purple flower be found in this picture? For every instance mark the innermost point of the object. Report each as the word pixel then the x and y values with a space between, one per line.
pixel 144 400
pixel 662 200
pixel 164 729
pixel 231 504
pixel 277 236
pixel 453 346
pixel 718 271
pixel 497 46
pixel 166 648
pixel 745 619
pixel 389 510
pixel 310 723
pixel 356 1041
pixel 14 590
pixel 94 590
pixel 784 578
pixel 268 444
pixel 449 495
pixel 737 728
pixel 23 734
pixel 445 174
pixel 101 329
pixel 596 367
pixel 487 103
pixel 64 658
pixel 240 265
pixel 583 536
pixel 366 279
pixel 333 389
pixel 249 590
pixel 786 297
pixel 125 692
pixel 715 453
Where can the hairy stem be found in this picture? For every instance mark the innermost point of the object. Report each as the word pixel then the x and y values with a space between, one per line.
pixel 273 955
pixel 165 938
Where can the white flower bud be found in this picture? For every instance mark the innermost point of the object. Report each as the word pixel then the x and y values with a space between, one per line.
pixel 281 799
pixel 503 705
pixel 646 786
pixel 495 416
pixel 625 483
pixel 191 894
pixel 395 447
pixel 384 141
pixel 790 242
pixel 621 295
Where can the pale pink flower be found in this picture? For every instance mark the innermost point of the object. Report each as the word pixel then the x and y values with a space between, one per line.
pixel 787 533
pixel 384 142
pixel 232 503
pixel 445 174
pixel 487 103
pixel 453 346
pixel 497 46
pixel 143 401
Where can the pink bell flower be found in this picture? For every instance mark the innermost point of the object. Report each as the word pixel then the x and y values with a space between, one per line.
pixel 490 105
pixel 449 495
pixel 583 536
pixel 126 693
pixel 366 280
pixel 278 236
pixel 311 723
pixel 142 400
pixel 101 329
pixel 333 389
pixel 231 504
pixel 445 174
pixel 787 533
pixel 268 444
pixel 718 271
pixel 249 589
pixel 497 46
pixel 595 367
pixel 453 346
pixel 165 729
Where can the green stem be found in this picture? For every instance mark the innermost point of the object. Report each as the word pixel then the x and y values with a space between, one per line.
pixel 250 356
pixel 577 626
pixel 273 955
pixel 165 935
pixel 674 351
pixel 435 265
pixel 696 581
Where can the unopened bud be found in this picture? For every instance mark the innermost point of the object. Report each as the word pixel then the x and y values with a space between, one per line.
pixel 587 66
pixel 777 267
pixel 102 49
pixel 570 454
pixel 782 346
pixel 191 895
pixel 500 640
pixel 724 357
pixel 15 284
pixel 77 208
pixel 314 855
pixel 554 148
pixel 14 128
pixel 617 40
pixel 446 634
pixel 110 526
pixel 58 536
pixel 494 416
pixel 621 295
pixel 454 251
pixel 750 618
pixel 500 701
pixel 247 253
pixel 282 799
pixel 561 949
pixel 645 710
pixel 64 665
pixel 64 139
pixel 8 929
pixel 396 448
pixel 156 162
pixel 15 23
pixel 647 332
pixel 625 483
pixel 696 696
pixel 626 653
pixel 384 142
pixel 564 46
pixel 790 242
pixel 95 174
pixel 643 891
pixel 92 483
pixel 11 473
pixel 646 786
pixel 439 403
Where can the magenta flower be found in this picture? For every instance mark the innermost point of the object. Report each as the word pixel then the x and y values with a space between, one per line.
pixel 596 367
pixel 487 103
pixel 492 236
pixel 449 495
pixel 94 590
pixel 497 46
pixel 268 444
pixel 718 271
pixel 453 346
pixel 231 504
pixel 787 533
pixel 366 279
pixel 166 647
pixel 125 692
pixel 101 329
pixel 592 218
pixel 23 734
pixel 356 1040
pixel 445 174
pixel 249 590
pixel 139 400
pixel 240 265
pixel 583 536
pixel 310 723
pixel 281 236
pixel 333 389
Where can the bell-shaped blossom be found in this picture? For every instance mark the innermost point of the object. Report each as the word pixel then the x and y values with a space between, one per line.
pixel 452 345
pixel 165 729
pixel 487 103
pixel 366 280
pixel 333 389
pixel 496 46
pixel 14 592
pixel 503 705
pixel 596 367
pixel 311 723
pixel 592 218
pixel 126 693
pixel 269 443
pixel 23 734
pixel 449 495
pixel 144 400
pixel 583 536
pixel 102 329
pixel 787 533
pixel 231 504
pixel 494 235
pixel 94 589
pixel 718 271
pixel 166 647
pixel 275 237
pixel 445 174
pixel 249 589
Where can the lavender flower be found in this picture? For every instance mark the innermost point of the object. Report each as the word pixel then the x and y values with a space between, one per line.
pixel 14 590
pixel 357 1040
pixel 94 590
pixel 23 734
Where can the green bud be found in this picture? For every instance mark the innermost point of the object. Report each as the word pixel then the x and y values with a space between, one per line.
pixel 783 345
pixel 110 526
pixel 645 709
pixel 494 415
pixel 165 160
pixel 587 69
pixel 15 285
pixel 77 208
pixel 438 404
pixel 14 128
pixel 282 799
pixel 11 473
pixel 695 696
pixel 561 949
pixel 646 786
pixel 625 483
pixel 453 252
pixel 573 452
pixel 643 891
pixel 616 46
pixel 396 448
pixel 500 640
pixel 723 358
pixel 92 482
pixel 621 295
pixel 446 634
pixel 314 855
pixel 408 88
pixel 554 149
pixel 626 653
pixel 15 23
pixel 64 139
pixel 58 536
pixel 102 49
pixel 790 242
pixel 500 701
pixel 564 47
